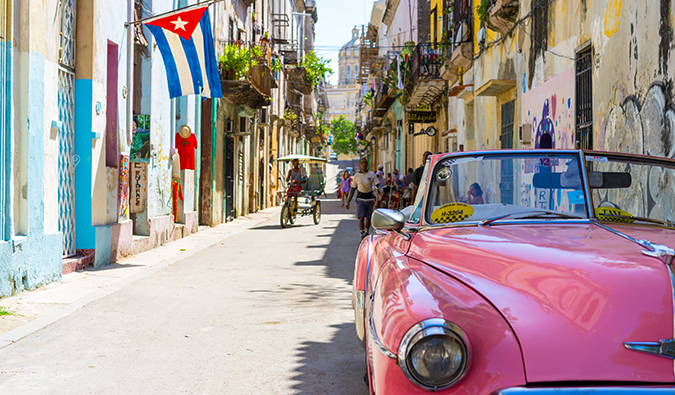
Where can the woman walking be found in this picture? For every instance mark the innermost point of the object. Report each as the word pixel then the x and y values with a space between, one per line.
pixel 345 184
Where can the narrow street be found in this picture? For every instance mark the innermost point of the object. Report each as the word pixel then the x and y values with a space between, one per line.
pixel 267 310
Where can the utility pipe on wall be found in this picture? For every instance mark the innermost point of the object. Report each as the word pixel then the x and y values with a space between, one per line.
pixel 130 71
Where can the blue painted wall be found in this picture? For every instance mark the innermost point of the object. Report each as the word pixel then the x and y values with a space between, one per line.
pixel 31 260
pixel 85 233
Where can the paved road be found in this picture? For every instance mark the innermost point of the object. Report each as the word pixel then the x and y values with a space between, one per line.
pixel 265 311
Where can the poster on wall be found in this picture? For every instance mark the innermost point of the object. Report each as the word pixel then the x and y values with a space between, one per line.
pixel 140 145
pixel 549 108
pixel 124 188
pixel 139 187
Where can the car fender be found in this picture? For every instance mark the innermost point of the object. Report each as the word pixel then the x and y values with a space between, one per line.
pixel 407 292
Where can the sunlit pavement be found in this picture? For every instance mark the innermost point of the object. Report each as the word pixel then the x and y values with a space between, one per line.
pixel 268 310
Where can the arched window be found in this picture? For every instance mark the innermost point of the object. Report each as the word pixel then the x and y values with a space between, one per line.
pixel 349 72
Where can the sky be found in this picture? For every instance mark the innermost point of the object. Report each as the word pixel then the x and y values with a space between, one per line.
pixel 334 28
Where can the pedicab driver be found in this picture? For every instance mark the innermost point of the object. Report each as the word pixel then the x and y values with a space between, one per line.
pixel 296 177
pixel 364 182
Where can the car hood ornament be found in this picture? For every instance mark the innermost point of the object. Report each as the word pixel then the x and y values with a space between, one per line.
pixel 664 253
pixel 663 348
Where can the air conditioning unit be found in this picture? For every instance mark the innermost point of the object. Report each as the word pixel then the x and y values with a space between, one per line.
pixel 525 133
pixel 243 129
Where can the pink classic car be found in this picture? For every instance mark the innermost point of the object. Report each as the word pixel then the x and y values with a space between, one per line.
pixel 523 272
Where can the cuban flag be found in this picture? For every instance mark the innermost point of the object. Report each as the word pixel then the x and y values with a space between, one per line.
pixel 186 44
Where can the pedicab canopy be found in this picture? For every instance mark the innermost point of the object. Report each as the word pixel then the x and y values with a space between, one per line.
pixel 302 159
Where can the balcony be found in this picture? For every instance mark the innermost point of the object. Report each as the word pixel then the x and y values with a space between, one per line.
pixel 428 85
pixel 298 81
pixel 383 100
pixel 462 50
pixel 243 93
pixel 502 14
pixel 262 79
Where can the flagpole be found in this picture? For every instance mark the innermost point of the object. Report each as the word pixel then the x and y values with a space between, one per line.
pixel 172 12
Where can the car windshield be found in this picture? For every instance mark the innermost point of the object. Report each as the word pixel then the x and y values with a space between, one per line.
pixel 632 190
pixel 506 186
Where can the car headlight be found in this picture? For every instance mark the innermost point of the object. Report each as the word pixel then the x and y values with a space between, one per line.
pixel 434 354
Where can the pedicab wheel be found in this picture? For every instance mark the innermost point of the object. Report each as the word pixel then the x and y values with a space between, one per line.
pixel 291 216
pixel 284 216
pixel 316 213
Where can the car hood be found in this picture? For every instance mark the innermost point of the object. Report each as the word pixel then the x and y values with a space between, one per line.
pixel 573 294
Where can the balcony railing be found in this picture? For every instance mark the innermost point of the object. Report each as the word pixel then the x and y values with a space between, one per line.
pixel 427 62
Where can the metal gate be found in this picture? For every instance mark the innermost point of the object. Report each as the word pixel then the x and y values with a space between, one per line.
pixel 506 182
pixel 229 178
pixel 66 103
pixel 584 99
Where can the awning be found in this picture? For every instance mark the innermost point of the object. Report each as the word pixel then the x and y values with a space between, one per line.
pixel 301 159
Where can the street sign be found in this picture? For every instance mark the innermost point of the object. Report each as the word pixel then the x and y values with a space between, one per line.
pixel 421 117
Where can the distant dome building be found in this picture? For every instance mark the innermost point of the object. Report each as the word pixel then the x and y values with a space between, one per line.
pixel 348 60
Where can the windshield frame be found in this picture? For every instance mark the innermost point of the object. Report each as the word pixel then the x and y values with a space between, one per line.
pixel 579 154
pixel 642 160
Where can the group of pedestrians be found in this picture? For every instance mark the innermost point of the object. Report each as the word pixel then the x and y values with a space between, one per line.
pixel 365 183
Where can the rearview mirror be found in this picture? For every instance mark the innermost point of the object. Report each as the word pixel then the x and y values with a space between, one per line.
pixel 388 220
pixel 599 179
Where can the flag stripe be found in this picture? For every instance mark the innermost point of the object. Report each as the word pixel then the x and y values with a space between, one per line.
pixel 182 65
pixel 169 63
pixel 199 45
pixel 193 62
pixel 191 65
pixel 211 65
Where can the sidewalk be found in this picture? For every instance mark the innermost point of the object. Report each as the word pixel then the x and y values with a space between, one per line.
pixel 34 310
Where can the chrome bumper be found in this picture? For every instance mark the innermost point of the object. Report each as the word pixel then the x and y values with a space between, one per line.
pixel 588 391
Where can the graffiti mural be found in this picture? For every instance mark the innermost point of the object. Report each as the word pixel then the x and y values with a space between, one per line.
pixel 124 188
pixel 139 186
pixel 641 128
pixel 645 127
pixel 140 146
pixel 549 108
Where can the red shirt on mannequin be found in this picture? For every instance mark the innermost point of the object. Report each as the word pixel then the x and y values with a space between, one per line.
pixel 186 149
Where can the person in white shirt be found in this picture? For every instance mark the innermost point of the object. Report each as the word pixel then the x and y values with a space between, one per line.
pixel 380 174
pixel 364 183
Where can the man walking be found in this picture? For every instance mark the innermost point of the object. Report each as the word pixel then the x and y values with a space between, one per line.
pixel 417 175
pixel 364 182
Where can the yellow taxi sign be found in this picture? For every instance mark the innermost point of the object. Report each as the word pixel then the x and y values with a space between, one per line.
pixel 614 215
pixel 452 212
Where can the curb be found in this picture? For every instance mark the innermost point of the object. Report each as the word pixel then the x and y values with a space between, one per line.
pixel 216 235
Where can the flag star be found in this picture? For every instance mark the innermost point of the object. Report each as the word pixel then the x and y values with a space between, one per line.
pixel 179 24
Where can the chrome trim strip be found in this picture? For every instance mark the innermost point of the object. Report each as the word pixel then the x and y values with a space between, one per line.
pixel 587 189
pixel 508 222
pixel 406 345
pixel 662 348
pixel 587 390
pixel 384 350
pixel 370 241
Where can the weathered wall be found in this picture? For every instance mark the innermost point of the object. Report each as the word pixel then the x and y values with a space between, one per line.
pixel 631 78
pixel 32 257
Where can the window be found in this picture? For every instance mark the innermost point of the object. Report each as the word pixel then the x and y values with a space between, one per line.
pixel 584 99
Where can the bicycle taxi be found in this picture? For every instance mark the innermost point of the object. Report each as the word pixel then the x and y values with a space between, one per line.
pixel 308 202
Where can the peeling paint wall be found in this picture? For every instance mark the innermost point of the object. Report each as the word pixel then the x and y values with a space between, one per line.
pixel 632 86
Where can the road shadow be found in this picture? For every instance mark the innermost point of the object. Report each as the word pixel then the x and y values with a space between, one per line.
pixel 331 368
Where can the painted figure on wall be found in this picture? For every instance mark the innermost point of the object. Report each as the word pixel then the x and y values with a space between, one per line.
pixel 124 188
pixel 545 136
pixel 549 108
pixel 140 146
